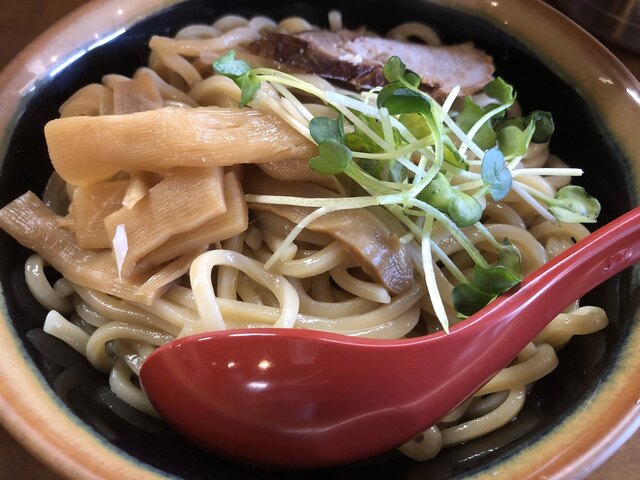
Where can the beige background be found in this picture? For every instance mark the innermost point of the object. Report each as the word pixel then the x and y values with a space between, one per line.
pixel 21 21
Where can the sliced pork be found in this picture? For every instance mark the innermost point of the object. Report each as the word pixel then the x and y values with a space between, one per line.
pixel 357 59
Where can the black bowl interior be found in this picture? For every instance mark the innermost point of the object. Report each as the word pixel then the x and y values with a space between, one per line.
pixel 580 139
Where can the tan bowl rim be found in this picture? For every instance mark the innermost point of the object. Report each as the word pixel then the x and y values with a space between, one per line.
pixel 583 441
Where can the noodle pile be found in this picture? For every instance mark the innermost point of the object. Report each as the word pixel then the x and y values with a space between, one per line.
pixel 312 282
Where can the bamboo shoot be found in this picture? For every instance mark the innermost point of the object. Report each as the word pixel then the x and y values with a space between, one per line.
pixel 86 150
pixel 184 200
pixel 90 206
pixel 35 226
pixel 137 95
pixel 233 222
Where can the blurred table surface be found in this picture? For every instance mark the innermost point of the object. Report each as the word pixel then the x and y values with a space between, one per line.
pixel 23 20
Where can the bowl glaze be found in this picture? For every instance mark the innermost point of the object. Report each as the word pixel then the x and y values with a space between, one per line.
pixel 574 419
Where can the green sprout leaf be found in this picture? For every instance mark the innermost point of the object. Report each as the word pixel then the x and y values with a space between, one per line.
pixel 572 204
pixel 514 142
pixel 358 141
pixel 489 282
pixel 334 158
pixel 228 66
pixel 544 127
pixel 398 99
pixel 501 277
pixel 249 86
pixel 495 174
pixel 416 124
pixel 325 128
pixel 452 155
pixel 372 167
pixel 396 172
pixel 438 193
pixel 541 123
pixel 494 280
pixel 509 257
pixel 394 69
pixel 468 117
pixel 240 72
pixel 387 170
pixel 467 299
pixel 412 78
pixel 464 210
pixel 500 90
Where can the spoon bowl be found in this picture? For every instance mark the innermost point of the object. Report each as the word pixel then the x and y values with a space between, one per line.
pixel 301 398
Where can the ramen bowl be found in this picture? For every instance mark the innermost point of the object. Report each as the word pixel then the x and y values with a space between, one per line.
pixel 63 411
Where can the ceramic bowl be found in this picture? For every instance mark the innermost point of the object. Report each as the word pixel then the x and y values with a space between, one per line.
pixel 575 418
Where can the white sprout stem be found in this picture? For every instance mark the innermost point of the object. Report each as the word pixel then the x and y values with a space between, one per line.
pixel 430 276
pixel 293 234
pixel 378 186
pixel 401 215
pixel 337 100
pixel 275 76
pixel 387 129
pixel 478 125
pixel 403 151
pixel 475 184
pixel 457 131
pixel 341 203
pixel 421 169
pixel 420 182
pixel 453 94
pixel 368 95
pixel 460 173
pixel 448 263
pixel 284 114
pixel 284 91
pixel 514 162
pixel 455 231
pixel 559 172
pixel 523 190
pixel 409 165
pixel 488 235
pixel 436 133
pixel 294 112
pixel 349 115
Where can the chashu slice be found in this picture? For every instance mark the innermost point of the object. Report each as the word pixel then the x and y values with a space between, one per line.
pixel 357 59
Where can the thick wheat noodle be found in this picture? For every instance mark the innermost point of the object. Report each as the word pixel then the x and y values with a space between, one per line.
pixel 490 421
pixel 409 30
pixel 314 264
pixel 121 384
pixel 359 288
pixel 228 277
pixel 536 367
pixel 54 297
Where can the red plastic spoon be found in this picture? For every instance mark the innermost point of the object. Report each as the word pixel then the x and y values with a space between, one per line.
pixel 300 398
